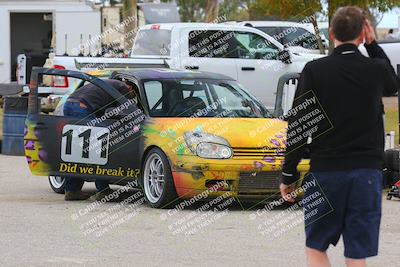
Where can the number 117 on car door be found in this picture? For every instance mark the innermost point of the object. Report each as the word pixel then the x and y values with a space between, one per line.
pixel 84 144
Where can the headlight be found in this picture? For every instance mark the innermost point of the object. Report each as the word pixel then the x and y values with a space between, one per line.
pixel 213 151
pixel 208 145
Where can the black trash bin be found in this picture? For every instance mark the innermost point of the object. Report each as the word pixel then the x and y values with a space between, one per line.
pixel 14 115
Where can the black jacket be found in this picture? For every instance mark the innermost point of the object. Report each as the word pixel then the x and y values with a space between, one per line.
pixel 96 98
pixel 349 88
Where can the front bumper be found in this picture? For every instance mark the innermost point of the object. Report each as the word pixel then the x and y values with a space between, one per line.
pixel 247 178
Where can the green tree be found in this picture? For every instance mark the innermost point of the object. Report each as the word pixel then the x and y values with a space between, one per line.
pixel 208 10
pixel 371 6
pixel 235 9
pixel 285 9
pixel 289 9
pixel 379 5
pixel 114 2
pixel 212 9
pixel 191 10
pixel 129 12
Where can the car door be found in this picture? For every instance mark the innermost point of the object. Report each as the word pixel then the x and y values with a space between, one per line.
pixel 273 32
pixel 107 147
pixel 208 50
pixel 300 40
pixel 259 67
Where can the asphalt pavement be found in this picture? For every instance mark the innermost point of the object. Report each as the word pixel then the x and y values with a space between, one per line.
pixel 38 228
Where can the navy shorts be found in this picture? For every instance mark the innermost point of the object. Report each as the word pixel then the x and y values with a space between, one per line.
pixel 343 203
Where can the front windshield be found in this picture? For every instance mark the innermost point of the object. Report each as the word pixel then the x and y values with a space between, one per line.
pixel 201 98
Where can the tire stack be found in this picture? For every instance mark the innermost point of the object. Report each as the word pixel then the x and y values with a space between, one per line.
pixel 391 173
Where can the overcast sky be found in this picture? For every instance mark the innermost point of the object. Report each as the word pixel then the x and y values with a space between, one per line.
pixel 391 19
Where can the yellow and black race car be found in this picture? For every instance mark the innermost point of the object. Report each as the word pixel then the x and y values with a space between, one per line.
pixel 185 133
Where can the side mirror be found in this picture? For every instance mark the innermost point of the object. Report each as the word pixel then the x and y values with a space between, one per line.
pixel 11 88
pixel 284 56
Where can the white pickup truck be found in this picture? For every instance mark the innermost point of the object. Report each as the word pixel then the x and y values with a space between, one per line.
pixel 246 54
pixel 392 50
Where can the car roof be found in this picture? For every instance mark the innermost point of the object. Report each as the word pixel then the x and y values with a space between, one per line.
pixel 206 26
pixel 262 23
pixel 163 74
pixel 193 25
pixel 170 26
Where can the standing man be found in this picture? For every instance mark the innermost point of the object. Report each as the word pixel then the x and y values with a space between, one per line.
pixel 390 35
pixel 347 160
pixel 87 102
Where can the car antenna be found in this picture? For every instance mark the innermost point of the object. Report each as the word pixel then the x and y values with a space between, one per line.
pixel 100 50
pixel 65 45
pixel 81 45
pixel 90 45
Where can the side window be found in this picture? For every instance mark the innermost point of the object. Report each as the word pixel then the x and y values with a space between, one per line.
pixel 230 98
pixel 154 94
pixel 213 44
pixel 195 89
pixel 294 36
pixel 152 42
pixel 273 32
pixel 203 95
pixel 254 46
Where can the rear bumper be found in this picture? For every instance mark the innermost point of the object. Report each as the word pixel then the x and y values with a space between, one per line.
pixel 249 178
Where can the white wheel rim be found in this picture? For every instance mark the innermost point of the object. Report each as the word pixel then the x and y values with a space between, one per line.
pixel 153 178
pixel 56 181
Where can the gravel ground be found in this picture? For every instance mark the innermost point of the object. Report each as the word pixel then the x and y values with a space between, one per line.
pixel 39 229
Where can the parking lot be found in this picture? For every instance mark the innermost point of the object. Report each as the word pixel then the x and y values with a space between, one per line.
pixel 40 229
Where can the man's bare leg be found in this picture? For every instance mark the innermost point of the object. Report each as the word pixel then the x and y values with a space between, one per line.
pixel 316 258
pixel 355 263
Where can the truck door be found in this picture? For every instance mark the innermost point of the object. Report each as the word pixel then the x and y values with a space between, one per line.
pixel 109 147
pixel 208 50
pixel 259 67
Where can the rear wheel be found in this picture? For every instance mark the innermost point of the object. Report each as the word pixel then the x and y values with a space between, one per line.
pixel 157 181
pixel 57 183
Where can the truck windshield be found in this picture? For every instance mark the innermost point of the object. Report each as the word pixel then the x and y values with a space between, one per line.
pixel 152 42
pixel 201 98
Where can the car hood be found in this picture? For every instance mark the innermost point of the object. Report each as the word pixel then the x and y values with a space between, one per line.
pixel 239 132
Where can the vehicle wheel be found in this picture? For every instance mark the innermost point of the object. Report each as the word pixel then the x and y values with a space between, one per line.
pixel 157 181
pixel 57 183
pixel 388 197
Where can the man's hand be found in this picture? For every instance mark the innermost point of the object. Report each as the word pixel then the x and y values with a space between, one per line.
pixel 285 192
pixel 369 32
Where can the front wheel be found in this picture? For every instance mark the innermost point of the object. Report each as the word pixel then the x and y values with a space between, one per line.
pixel 157 182
pixel 57 183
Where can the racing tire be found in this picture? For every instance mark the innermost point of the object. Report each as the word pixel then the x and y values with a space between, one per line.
pixel 157 181
pixel 392 159
pixel 57 183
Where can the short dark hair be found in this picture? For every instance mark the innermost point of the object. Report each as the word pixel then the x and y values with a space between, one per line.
pixel 347 23
pixel 391 31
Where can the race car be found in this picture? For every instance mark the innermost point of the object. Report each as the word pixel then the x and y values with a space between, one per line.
pixel 185 134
